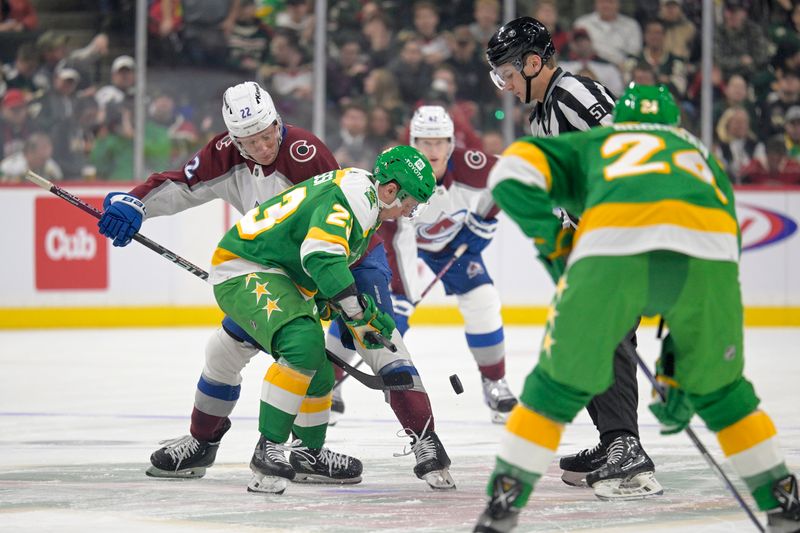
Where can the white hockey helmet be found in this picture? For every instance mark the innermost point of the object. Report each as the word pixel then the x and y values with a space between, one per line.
pixel 248 109
pixel 432 121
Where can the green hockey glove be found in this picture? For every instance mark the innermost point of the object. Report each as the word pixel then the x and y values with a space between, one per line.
pixel 372 320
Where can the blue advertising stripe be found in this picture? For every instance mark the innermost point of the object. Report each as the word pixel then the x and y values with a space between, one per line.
pixel 484 340
pixel 219 391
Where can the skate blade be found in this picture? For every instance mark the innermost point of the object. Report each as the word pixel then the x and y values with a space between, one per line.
pixel 334 417
pixel 498 417
pixel 324 480
pixel 637 487
pixel 440 480
pixel 267 484
pixel 574 479
pixel 187 473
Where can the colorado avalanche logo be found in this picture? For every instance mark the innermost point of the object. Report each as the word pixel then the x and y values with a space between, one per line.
pixel 474 159
pixel 222 143
pixel 442 230
pixel 761 227
pixel 301 151
pixel 474 269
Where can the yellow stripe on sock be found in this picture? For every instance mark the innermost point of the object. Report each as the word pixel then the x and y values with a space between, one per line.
pixel 534 427
pixel 316 405
pixel 287 379
pixel 746 433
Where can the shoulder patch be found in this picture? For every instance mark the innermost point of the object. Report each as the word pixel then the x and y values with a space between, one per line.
pixel 301 151
pixel 475 159
pixel 597 111
pixel 223 142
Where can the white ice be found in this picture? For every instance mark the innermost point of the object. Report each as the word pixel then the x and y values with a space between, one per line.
pixel 81 411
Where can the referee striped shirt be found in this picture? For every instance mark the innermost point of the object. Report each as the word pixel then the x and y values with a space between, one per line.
pixel 571 103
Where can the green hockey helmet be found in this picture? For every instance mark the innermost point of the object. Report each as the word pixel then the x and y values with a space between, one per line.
pixel 647 103
pixel 410 169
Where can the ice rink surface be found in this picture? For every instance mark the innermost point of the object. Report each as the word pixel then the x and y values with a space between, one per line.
pixel 81 411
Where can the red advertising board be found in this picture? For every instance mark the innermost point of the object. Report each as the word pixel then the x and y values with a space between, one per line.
pixel 70 253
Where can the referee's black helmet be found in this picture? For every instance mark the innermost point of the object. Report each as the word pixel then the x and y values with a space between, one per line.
pixel 514 40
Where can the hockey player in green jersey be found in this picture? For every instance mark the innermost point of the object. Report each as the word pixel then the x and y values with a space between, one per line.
pixel 283 267
pixel 657 235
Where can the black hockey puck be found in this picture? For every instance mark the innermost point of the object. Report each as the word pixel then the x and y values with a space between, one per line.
pixel 456 383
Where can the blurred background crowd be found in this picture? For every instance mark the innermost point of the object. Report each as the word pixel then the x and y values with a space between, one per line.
pixel 68 74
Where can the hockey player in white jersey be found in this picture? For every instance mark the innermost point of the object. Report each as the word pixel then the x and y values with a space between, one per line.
pixel 461 211
pixel 256 158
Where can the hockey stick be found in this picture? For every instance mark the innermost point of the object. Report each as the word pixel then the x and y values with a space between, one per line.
pixel 338 383
pixel 627 345
pixel 397 381
pixel 458 253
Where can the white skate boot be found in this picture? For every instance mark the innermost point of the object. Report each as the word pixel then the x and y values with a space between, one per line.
pixel 499 398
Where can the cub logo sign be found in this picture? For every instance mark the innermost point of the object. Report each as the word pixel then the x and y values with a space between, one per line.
pixel 70 254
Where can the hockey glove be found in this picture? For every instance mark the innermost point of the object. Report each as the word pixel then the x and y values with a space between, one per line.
pixel 673 411
pixel 122 217
pixel 477 233
pixel 372 320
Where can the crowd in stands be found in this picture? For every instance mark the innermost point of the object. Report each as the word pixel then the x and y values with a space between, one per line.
pixel 67 108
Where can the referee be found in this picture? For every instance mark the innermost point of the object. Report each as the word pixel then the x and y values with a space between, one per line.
pixel 521 54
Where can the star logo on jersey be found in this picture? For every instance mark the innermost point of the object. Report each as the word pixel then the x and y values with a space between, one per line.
pixel 260 290
pixel 250 277
pixel 371 197
pixel 547 344
pixel 561 286
pixel 551 316
pixel 271 307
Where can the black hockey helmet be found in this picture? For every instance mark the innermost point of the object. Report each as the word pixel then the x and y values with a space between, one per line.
pixel 514 40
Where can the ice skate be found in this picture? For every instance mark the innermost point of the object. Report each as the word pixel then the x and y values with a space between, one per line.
pixel 628 473
pixel 185 457
pixel 337 406
pixel 786 518
pixel 499 398
pixel 500 515
pixel 433 463
pixel 325 466
pixel 270 468
pixel 575 467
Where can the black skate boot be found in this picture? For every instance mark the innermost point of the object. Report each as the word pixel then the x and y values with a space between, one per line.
pixel 499 398
pixel 432 461
pixel 575 467
pixel 185 457
pixel 786 518
pixel 325 466
pixel 270 468
pixel 500 515
pixel 337 406
pixel 628 473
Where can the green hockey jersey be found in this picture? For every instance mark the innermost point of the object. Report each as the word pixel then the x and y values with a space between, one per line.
pixel 635 187
pixel 312 232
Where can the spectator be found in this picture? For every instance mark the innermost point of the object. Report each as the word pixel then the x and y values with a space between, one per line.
pixel 380 41
pixel 643 74
pixel 670 69
pixel 120 92
pixel 382 128
pixel 737 145
pixel 787 32
pixel 583 60
pixel 164 22
pixel 18 16
pixel 487 18
pixel 21 74
pixel 493 142
pixel 434 45
pixel 112 152
pixel 73 140
pixel 679 31
pixel 736 94
pixel 546 12
pixel 786 94
pixel 739 43
pixel 58 103
pixel 346 73
pixel 159 133
pixel 412 73
pixel 87 61
pixel 778 169
pixel 461 112
pixel 206 26
pixel 792 136
pixel 290 77
pixel 614 36
pixel 36 155
pixel 53 50
pixel 248 42
pixel 297 17
pixel 471 84
pixel 381 90
pixel 14 123
pixel 351 145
